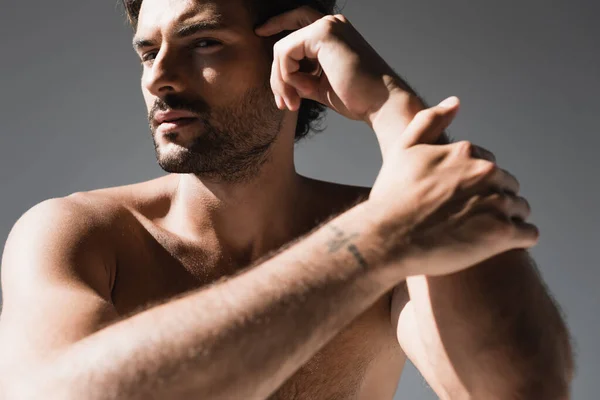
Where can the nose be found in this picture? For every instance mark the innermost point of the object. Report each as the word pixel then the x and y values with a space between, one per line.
pixel 165 75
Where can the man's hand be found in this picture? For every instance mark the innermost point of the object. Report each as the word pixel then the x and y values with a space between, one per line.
pixel 354 80
pixel 451 204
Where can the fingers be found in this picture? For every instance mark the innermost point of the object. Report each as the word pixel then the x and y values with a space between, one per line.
pixel 287 80
pixel 500 178
pixel 427 125
pixel 494 177
pixel 289 21
pixel 525 234
pixel 489 176
pixel 285 95
pixel 504 181
pixel 511 207
pixel 516 210
pixel 506 218
pixel 482 178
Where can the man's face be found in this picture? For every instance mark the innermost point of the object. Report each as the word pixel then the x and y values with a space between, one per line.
pixel 203 59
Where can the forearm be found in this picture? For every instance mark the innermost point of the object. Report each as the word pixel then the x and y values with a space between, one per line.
pixel 496 329
pixel 491 324
pixel 391 117
pixel 239 338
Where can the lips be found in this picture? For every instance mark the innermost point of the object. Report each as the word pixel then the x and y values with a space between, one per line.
pixel 170 125
pixel 173 120
pixel 173 116
pixel 178 121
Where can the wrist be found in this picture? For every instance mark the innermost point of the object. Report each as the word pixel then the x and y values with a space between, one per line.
pixel 362 232
pixel 391 118
pixel 390 235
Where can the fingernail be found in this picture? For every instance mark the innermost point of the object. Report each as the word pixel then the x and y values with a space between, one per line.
pixel 449 102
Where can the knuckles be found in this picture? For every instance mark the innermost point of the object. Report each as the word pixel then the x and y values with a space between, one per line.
pixel 501 201
pixel 331 25
pixel 279 46
pixel 463 149
pixel 484 169
pixel 326 25
pixel 341 18
pixel 323 27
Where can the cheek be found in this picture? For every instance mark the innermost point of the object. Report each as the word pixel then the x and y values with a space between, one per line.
pixel 210 75
pixel 229 79
pixel 244 64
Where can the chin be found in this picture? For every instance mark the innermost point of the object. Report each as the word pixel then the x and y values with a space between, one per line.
pixel 175 159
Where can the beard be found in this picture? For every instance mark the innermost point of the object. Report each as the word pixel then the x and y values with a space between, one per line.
pixel 234 142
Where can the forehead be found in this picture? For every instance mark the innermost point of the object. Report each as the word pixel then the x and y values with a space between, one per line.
pixel 165 13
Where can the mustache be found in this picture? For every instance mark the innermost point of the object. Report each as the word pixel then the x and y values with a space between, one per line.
pixel 178 103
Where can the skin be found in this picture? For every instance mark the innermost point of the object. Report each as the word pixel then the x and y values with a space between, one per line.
pixel 129 262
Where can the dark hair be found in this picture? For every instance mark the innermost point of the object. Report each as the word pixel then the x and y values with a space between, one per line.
pixel 311 113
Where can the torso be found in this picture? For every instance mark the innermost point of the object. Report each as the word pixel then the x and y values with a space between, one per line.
pixel 364 361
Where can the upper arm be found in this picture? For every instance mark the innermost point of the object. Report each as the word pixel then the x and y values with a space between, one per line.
pixel 488 312
pixel 56 283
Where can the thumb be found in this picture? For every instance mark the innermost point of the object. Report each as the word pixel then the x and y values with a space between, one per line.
pixel 428 124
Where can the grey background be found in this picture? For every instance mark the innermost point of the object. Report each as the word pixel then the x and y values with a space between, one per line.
pixel 527 72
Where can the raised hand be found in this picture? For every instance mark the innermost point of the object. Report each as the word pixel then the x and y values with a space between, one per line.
pixel 352 80
pixel 448 206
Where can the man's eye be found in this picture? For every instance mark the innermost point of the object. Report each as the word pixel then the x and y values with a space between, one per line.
pixel 149 56
pixel 204 43
pixel 201 44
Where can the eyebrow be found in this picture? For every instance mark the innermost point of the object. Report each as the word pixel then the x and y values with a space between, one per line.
pixel 184 31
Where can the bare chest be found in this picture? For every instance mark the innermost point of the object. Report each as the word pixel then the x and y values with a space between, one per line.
pixel 363 361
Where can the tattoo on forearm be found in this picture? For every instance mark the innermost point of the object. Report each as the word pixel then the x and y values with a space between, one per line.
pixel 340 240
pixel 359 258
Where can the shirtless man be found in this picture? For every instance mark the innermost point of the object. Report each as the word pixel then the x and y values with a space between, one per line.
pixel 236 278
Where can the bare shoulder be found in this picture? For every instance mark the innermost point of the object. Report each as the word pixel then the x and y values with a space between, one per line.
pixel 61 255
pixel 75 227
pixel 58 257
pixel 90 213
pixel 77 214
pixel 82 228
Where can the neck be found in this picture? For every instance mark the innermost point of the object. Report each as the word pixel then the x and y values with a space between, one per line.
pixel 244 219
